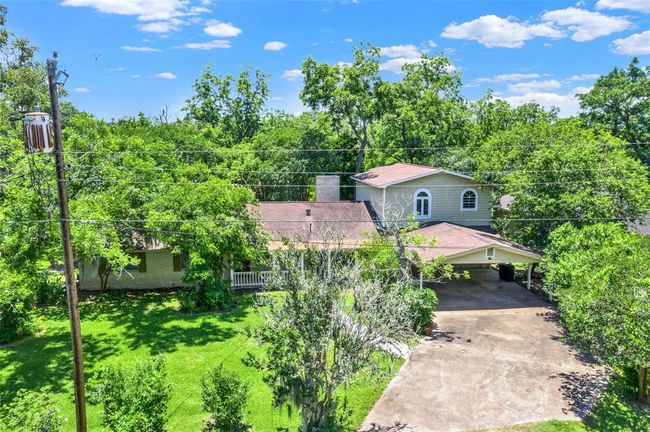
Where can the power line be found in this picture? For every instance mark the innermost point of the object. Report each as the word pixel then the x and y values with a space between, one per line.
pixel 322 150
pixel 332 221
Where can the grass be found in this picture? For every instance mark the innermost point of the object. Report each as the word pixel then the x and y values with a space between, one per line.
pixel 126 331
pixel 617 411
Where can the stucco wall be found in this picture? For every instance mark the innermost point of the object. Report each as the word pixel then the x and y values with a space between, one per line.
pixel 160 274
pixel 445 192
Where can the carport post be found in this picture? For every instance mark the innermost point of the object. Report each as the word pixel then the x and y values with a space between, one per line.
pixel 530 269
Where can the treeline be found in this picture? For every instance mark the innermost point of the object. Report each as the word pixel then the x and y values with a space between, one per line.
pixel 188 182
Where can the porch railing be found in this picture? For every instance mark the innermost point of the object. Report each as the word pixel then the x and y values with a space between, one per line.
pixel 251 279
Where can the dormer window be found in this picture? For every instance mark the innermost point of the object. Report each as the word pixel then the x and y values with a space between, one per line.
pixel 422 204
pixel 469 200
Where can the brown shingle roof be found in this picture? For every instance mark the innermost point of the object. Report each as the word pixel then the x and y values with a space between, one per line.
pixel 399 172
pixel 345 221
pixel 452 239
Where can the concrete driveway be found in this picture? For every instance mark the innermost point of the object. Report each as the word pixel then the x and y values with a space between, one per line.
pixel 495 360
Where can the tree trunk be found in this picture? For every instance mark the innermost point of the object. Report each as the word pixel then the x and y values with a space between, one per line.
pixel 644 384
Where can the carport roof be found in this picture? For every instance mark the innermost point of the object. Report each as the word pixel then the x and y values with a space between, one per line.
pixel 453 241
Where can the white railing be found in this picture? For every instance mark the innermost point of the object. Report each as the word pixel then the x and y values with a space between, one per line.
pixel 252 279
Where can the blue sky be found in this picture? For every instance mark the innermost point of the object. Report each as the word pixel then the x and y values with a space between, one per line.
pixel 127 56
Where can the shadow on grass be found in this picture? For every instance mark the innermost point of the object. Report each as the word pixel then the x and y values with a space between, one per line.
pixel 110 328
pixel 618 410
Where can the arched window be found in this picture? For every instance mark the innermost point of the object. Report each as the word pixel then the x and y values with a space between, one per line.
pixel 422 204
pixel 468 200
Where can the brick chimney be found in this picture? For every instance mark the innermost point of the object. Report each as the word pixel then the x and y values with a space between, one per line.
pixel 328 188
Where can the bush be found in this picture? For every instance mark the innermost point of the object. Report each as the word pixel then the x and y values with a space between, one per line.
pixel 50 289
pixel 224 397
pixel 134 399
pixel 31 411
pixel 210 294
pixel 421 302
pixel 16 305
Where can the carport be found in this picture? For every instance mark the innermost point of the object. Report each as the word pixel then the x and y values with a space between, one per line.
pixel 471 247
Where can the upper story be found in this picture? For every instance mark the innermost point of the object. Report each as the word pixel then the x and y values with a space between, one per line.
pixel 429 194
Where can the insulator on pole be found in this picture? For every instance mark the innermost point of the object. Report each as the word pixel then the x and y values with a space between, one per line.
pixel 37 132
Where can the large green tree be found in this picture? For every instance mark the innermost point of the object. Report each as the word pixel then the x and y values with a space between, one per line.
pixel 600 276
pixel 562 172
pixel 620 103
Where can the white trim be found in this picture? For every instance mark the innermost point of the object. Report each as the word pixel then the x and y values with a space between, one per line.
pixel 415 204
pixel 462 194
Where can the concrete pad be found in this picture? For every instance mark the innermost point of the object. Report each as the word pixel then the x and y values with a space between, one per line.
pixel 496 359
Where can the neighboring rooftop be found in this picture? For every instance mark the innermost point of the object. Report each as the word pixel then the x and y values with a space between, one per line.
pixel 347 222
pixel 389 175
pixel 452 240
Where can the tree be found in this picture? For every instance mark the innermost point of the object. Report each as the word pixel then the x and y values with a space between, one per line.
pixel 354 95
pixel 134 399
pixel 225 396
pixel 236 106
pixel 31 411
pixel 329 325
pixel 601 279
pixel 619 102
pixel 561 172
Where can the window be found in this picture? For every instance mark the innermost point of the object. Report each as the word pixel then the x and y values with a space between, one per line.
pixel 141 264
pixel 422 204
pixel 180 263
pixel 468 200
pixel 490 253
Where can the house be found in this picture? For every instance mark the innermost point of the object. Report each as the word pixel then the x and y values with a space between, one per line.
pixel 452 210
pixel 156 267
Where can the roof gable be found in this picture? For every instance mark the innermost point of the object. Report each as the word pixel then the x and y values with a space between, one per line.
pixel 388 175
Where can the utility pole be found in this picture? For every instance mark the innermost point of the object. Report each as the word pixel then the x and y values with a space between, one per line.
pixel 70 278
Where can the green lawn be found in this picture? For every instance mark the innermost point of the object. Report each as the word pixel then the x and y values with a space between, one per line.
pixel 616 411
pixel 125 331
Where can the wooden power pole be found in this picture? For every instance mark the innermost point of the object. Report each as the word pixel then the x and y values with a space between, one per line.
pixel 70 278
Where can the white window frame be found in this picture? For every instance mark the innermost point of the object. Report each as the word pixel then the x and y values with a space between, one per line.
pixel 462 195
pixel 415 204
pixel 491 256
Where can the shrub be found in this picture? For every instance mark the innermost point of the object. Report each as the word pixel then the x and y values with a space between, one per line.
pixel 224 397
pixel 50 289
pixel 31 411
pixel 209 294
pixel 16 303
pixel 135 399
pixel 421 302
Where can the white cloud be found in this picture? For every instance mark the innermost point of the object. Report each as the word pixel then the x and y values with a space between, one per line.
pixel 275 46
pixel 584 77
pixel 217 43
pixel 145 10
pixel 567 103
pixel 493 31
pixel 165 75
pixel 399 56
pixel 139 48
pixel 221 29
pixel 292 74
pixel 395 65
pixel 586 25
pixel 395 51
pixel 348 40
pixel 637 44
pixel 431 43
pixel 509 77
pixel 534 86
pixel 136 76
pixel 635 5
pixel 117 69
pixel 81 90
pixel 160 26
